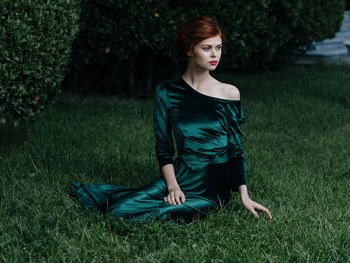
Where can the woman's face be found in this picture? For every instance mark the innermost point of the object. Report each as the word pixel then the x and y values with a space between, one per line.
pixel 205 53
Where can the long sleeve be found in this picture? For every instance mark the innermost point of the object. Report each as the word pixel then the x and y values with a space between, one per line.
pixel 164 146
pixel 235 149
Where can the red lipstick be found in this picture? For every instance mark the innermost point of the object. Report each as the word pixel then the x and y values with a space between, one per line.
pixel 214 62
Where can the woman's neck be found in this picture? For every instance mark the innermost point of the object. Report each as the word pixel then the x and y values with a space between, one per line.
pixel 196 78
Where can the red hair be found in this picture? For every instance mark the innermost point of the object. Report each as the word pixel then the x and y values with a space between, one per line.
pixel 194 31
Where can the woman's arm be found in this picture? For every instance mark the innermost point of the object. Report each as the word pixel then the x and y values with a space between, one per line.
pixel 250 205
pixel 238 161
pixel 175 195
pixel 164 146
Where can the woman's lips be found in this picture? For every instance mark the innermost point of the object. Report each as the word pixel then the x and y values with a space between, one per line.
pixel 213 62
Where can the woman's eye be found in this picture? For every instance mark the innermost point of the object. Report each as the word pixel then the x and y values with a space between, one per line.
pixel 206 48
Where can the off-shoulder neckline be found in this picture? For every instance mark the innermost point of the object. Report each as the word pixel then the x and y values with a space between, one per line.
pixel 204 95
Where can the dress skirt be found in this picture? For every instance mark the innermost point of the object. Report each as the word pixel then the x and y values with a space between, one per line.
pixel 204 189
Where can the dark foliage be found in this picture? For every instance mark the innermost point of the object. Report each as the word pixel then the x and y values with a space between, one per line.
pixel 35 44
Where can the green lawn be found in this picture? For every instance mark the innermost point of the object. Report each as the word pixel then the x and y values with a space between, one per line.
pixel 298 165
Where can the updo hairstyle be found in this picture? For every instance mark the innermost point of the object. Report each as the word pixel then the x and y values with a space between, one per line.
pixel 194 31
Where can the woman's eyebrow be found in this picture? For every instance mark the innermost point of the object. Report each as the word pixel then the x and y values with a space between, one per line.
pixel 210 45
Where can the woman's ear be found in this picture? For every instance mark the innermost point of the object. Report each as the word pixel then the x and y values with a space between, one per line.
pixel 189 52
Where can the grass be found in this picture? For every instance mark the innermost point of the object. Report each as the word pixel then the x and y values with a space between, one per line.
pixel 298 165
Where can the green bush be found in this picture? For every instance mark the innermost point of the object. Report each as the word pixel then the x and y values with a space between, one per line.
pixel 297 24
pixel 35 45
pixel 262 34
pixel 123 43
pixel 119 39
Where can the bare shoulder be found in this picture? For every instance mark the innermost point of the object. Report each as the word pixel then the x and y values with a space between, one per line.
pixel 230 92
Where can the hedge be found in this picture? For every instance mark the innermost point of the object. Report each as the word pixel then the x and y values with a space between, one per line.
pixel 125 44
pixel 35 44
pixel 119 39
pixel 297 24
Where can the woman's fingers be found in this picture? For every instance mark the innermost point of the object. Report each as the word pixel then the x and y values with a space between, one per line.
pixel 175 198
pixel 250 205
pixel 178 200
pixel 268 214
pixel 253 212
pixel 172 199
pixel 264 210
pixel 168 199
pixel 183 198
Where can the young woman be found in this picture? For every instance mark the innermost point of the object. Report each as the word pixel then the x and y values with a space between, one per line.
pixel 204 116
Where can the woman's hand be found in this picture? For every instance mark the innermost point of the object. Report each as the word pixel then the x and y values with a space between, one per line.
pixel 250 205
pixel 175 196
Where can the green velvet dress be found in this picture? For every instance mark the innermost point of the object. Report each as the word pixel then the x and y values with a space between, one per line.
pixel 209 165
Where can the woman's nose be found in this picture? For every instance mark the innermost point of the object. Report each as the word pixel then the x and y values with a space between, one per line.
pixel 214 53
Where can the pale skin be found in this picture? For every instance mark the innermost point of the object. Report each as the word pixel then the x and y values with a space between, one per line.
pixel 198 77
